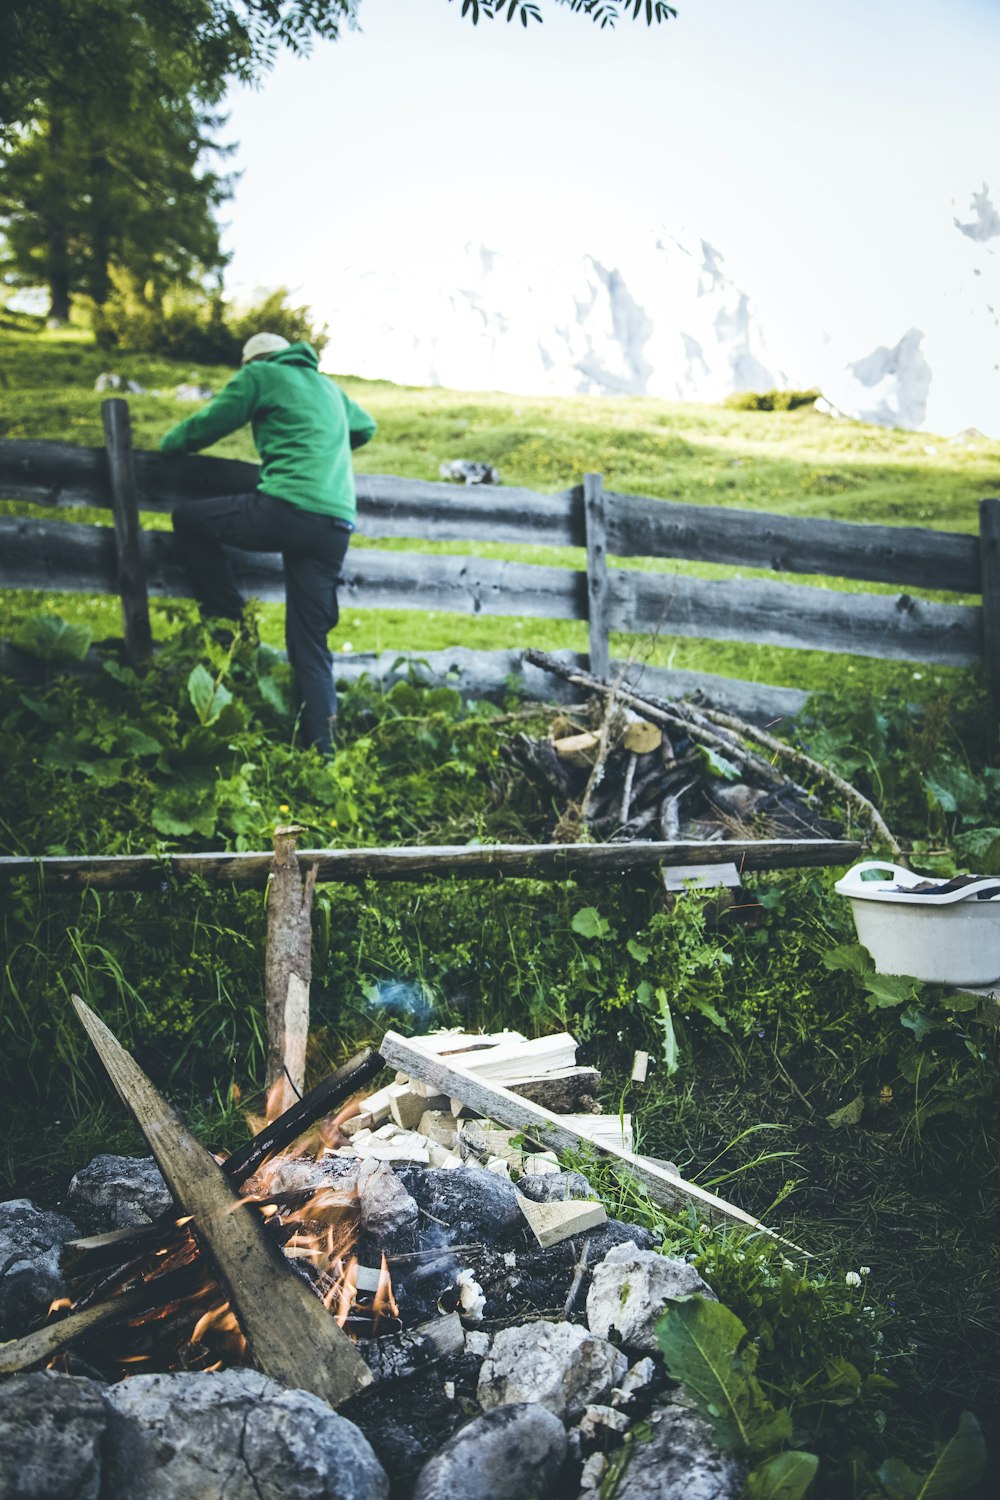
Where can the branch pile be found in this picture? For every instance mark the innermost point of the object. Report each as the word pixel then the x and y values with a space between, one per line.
pixel 652 769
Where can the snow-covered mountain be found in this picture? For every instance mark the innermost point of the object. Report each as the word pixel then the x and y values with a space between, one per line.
pixel 663 317
pixel 665 320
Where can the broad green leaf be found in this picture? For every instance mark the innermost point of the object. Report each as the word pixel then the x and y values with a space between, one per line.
pixel 671 1052
pixel 208 698
pixel 51 639
pixel 852 958
pixel 959 1465
pixel 275 695
pixel 786 1476
pixel 700 1341
pixel 718 765
pixel 588 922
pixel 918 1021
pixel 891 989
pixel 955 789
pixel 137 741
pixel 848 1114
pixel 638 950
pixel 707 1009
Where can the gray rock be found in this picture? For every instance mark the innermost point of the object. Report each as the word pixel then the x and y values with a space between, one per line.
pixel 558 1365
pixel 51 1430
pixel 230 1436
pixel 555 1187
pixel 117 1192
pixel 469 471
pixel 30 1277
pixel 511 1453
pixel 629 1290
pixel 388 1214
pixel 465 1203
pixel 679 1462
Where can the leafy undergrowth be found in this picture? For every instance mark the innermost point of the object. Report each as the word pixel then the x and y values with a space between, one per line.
pixel 860 1120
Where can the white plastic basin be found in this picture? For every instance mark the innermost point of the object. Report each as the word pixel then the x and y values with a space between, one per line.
pixel 953 938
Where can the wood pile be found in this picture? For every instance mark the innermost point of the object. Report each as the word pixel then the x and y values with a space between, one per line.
pixel 637 767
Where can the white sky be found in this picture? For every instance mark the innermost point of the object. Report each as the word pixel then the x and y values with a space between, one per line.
pixel 822 148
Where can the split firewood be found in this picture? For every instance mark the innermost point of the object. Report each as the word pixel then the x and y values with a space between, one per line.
pixel 565 1091
pixel 287 970
pixel 551 1223
pixel 497 1103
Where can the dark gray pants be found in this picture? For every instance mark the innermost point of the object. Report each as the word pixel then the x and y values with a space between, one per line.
pixel 312 548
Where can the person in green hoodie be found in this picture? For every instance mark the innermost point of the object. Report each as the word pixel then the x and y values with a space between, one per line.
pixel 304 506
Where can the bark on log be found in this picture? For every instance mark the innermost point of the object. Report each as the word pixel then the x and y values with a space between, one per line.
pixel 292 1336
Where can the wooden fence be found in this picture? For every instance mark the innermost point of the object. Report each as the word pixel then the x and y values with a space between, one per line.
pixel 136 562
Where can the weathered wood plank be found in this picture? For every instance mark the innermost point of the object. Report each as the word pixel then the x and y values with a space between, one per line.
pixel 293 1337
pixel 59 555
pixel 134 872
pixel 598 589
pixel 287 972
pixel 131 576
pixel 910 556
pixel 899 628
pixel 496 1103
pixel 989 554
pixel 53 473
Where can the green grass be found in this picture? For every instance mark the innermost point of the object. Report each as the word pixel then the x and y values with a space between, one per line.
pixel 795 463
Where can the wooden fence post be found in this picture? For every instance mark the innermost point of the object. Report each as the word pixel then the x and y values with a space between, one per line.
pixel 598 592
pixel 287 972
pixel 131 574
pixel 989 563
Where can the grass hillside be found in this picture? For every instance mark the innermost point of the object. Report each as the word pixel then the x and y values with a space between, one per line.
pixel 797 463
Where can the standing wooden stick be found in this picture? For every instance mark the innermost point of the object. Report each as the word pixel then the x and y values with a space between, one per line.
pixel 287 972
pixel 131 573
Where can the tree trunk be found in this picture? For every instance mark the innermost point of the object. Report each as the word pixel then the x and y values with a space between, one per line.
pixel 57 252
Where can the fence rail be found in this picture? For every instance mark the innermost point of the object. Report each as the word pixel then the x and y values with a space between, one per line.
pixel 51 555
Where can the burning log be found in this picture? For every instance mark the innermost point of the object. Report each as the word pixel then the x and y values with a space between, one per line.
pixel 290 1333
pixel 401 1354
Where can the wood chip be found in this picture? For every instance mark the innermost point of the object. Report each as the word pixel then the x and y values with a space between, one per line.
pixel 551 1223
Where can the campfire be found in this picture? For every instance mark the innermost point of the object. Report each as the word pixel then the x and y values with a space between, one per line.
pixel 407 1256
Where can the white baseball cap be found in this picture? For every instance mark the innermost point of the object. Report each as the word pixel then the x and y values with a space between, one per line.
pixel 263 343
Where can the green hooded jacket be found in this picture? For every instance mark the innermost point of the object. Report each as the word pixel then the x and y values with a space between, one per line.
pixel 304 427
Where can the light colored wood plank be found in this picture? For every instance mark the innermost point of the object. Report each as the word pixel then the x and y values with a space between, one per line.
pixel 293 1337
pixel 551 1223
pixel 506 1108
